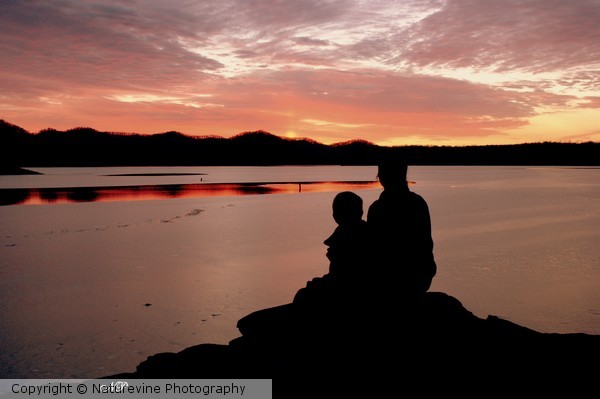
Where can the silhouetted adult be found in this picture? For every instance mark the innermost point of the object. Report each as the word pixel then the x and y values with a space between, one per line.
pixel 400 227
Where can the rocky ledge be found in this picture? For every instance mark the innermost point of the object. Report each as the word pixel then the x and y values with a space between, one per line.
pixel 431 340
pixel 15 170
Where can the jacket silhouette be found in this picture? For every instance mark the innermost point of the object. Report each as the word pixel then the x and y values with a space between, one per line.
pixel 400 228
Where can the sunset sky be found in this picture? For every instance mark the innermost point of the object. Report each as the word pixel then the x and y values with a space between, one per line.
pixel 433 72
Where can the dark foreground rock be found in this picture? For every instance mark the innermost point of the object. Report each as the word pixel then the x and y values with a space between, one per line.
pixel 431 341
pixel 15 170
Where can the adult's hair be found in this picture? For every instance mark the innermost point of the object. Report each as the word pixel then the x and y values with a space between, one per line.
pixel 391 173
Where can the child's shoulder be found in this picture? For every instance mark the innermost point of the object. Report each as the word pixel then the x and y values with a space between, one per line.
pixel 351 231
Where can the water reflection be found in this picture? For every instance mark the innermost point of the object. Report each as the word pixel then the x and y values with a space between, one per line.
pixel 37 196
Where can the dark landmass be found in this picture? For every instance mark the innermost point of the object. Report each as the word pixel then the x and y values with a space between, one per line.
pixel 15 170
pixel 88 147
pixel 433 341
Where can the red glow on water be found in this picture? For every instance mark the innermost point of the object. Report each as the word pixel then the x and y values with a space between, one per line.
pixel 39 196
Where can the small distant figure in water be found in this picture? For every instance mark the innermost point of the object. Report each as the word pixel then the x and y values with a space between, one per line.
pixel 400 227
pixel 346 253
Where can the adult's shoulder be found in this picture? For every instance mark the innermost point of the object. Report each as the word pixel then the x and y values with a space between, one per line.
pixel 415 196
pixel 374 210
pixel 417 199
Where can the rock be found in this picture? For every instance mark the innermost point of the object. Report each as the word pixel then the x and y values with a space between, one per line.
pixel 15 170
pixel 434 338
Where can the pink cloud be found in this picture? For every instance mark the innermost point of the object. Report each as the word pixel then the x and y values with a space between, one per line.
pixel 386 102
pixel 535 35
pixel 591 102
pixel 77 44
pixel 308 41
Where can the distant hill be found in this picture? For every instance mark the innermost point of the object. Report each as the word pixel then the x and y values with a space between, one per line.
pixel 84 146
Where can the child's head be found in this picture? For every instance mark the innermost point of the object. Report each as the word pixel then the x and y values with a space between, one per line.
pixel 347 208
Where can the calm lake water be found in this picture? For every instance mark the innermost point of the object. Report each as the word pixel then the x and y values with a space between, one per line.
pixel 102 267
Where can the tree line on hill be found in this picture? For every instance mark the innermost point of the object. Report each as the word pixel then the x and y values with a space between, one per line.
pixel 89 147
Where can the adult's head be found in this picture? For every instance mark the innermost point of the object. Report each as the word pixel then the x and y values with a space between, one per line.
pixel 392 174
pixel 347 208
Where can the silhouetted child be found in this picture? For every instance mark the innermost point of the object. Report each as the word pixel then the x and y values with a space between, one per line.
pixel 323 297
pixel 346 253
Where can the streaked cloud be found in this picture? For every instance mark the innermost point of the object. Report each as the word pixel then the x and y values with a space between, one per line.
pixel 317 122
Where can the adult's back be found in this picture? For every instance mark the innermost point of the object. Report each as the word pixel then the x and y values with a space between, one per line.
pixel 400 227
